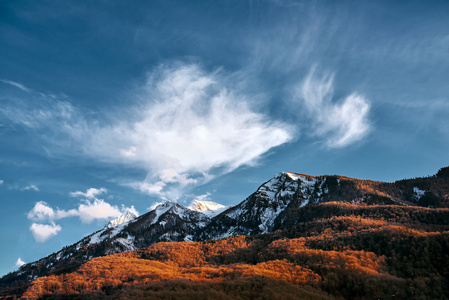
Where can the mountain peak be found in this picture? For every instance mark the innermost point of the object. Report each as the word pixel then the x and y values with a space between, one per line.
pixel 296 176
pixel 123 218
pixel 208 208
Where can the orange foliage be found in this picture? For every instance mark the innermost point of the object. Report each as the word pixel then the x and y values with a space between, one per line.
pixel 346 256
pixel 196 261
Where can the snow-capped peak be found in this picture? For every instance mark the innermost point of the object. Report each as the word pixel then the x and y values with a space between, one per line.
pixel 160 209
pixel 302 177
pixel 208 208
pixel 123 218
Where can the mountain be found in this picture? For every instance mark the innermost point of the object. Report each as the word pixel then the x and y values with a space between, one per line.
pixel 337 250
pixel 258 213
pixel 283 202
pixel 209 208
pixel 166 223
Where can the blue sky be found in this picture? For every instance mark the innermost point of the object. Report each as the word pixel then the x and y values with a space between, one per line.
pixel 111 105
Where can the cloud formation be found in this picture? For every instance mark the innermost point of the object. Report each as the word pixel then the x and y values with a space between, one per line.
pixel 43 232
pixel 16 84
pixel 191 125
pixel 341 123
pixel 204 197
pixel 98 209
pixel 41 211
pixel 91 193
pixel 187 126
pixel 87 211
pixel 31 187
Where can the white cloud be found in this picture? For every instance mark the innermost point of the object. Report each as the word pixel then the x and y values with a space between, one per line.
pixel 189 126
pixel 30 187
pixel 43 232
pixel 41 211
pixel 61 214
pixel 153 188
pixel 97 210
pixel 19 262
pixel 1 181
pixel 90 193
pixel 340 123
pixel 87 211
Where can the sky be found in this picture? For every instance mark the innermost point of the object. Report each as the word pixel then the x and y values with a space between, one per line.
pixel 108 106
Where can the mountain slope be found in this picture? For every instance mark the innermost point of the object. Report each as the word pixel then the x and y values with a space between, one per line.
pixel 258 213
pixel 353 254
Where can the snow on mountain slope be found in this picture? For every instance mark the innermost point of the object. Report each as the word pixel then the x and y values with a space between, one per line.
pixel 113 228
pixel 124 218
pixel 184 213
pixel 161 209
pixel 167 222
pixel 274 196
pixel 157 223
pixel 209 208
pixel 257 213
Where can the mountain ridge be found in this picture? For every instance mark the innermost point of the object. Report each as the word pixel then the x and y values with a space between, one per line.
pixel 275 205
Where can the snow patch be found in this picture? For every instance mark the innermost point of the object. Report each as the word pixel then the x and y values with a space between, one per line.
pixel 127 243
pixel 418 193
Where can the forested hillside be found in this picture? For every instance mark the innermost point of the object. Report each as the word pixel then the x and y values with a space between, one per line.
pixel 312 236
pixel 337 250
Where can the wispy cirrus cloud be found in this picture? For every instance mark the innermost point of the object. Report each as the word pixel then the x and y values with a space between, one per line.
pixel 31 187
pixel 191 125
pixel 186 127
pixel 16 84
pixel 340 123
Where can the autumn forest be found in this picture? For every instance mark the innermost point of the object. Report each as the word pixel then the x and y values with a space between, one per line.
pixel 353 252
